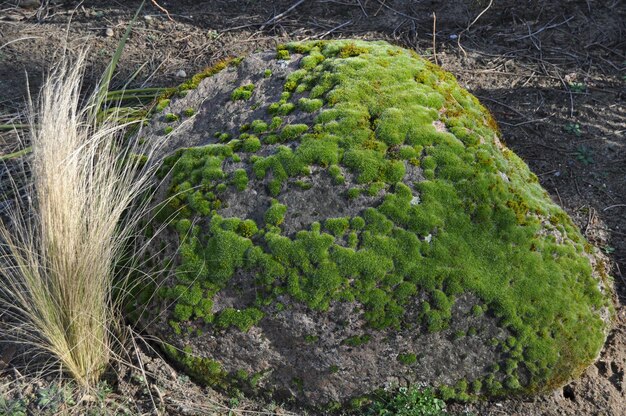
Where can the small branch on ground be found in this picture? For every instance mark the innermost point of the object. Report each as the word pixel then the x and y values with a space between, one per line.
pixel 164 10
pixel 281 15
pixel 458 40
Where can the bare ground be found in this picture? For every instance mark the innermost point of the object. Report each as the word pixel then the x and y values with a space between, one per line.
pixel 552 73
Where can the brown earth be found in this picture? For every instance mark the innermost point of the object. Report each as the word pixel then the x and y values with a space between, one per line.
pixel 552 73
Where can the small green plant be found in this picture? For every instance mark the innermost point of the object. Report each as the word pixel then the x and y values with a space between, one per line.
pixel 53 397
pixel 188 112
pixel 409 402
pixel 608 249
pixel 577 87
pixel 15 407
pixel 584 154
pixel 573 128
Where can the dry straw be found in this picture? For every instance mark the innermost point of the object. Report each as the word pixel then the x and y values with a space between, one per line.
pixel 62 246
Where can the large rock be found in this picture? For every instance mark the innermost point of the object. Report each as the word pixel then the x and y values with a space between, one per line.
pixel 344 217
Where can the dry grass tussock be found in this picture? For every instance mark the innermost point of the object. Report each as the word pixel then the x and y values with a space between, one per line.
pixel 61 250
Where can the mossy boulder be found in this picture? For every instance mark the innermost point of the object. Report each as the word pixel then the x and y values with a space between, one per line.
pixel 342 217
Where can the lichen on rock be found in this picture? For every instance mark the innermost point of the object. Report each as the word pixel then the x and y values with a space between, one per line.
pixel 353 221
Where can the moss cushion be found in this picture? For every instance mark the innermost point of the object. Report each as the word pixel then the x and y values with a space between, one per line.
pixel 343 217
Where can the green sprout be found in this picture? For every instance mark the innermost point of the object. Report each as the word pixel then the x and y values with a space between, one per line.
pixel 584 154
pixel 577 87
pixel 573 128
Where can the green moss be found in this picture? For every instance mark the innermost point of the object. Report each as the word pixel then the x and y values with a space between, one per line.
pixel 353 193
pixel 292 131
pixel 407 359
pixel 240 179
pixel 285 109
pixel 351 49
pixel 267 73
pixel 357 340
pixel 276 123
pixel 168 129
pixel 208 72
pixel 204 370
pixel 242 93
pixel 476 386
pixel 188 112
pixel 337 226
pixel 162 105
pixel 282 55
pixel 258 126
pixel 375 188
pixel 175 327
pixel 247 228
pixel 241 319
pixel 182 312
pixel 169 118
pixel 310 105
pixel 275 214
pixel 251 144
pixel 335 172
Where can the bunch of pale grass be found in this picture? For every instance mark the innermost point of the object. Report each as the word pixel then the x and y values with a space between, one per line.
pixel 61 250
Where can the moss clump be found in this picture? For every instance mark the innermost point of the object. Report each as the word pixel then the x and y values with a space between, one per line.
pixel 407 359
pixel 353 193
pixel 276 123
pixel 242 93
pixel 170 118
pixel 188 112
pixel 292 131
pixel 351 49
pixel 251 144
pixel 242 319
pixel 240 179
pixel 283 54
pixel 275 214
pixel 282 109
pixel 162 105
pixel 310 105
pixel 466 228
pixel 357 340
pixel 267 73
pixel 193 83
pixel 247 228
pixel 205 370
pixel 337 226
pixel 258 126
